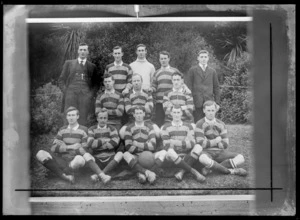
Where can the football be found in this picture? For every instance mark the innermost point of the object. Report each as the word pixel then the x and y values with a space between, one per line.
pixel 146 159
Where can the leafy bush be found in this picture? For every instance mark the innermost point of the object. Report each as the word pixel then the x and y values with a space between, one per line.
pixel 236 93
pixel 45 106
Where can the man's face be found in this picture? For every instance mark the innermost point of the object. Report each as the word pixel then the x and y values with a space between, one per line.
pixel 137 82
pixel 210 112
pixel 176 114
pixel 164 60
pixel 109 83
pixel 177 81
pixel 139 115
pixel 203 58
pixel 141 52
pixel 72 117
pixel 83 52
pixel 118 55
pixel 102 119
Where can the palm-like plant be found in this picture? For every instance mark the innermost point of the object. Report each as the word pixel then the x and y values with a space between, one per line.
pixel 69 37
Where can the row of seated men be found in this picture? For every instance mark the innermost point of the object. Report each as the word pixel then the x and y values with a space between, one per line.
pixel 177 142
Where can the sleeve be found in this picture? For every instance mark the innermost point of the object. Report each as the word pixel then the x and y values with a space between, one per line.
pixel 129 78
pixel 120 108
pixel 165 137
pixel 199 135
pixel 190 106
pixel 167 104
pixel 84 138
pixel 127 102
pixel 58 145
pixel 189 142
pixel 128 141
pixel 151 142
pixel 91 137
pixel 98 103
pixel 152 74
pixel 216 88
pixel 63 76
pixel 115 139
pixel 224 135
pixel 154 83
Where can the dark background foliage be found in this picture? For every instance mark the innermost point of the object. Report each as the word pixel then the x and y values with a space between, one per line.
pixel 51 45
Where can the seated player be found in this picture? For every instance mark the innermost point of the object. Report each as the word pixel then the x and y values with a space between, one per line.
pixel 112 100
pixel 139 137
pixel 68 152
pixel 211 134
pixel 103 140
pixel 178 97
pixel 179 141
pixel 139 97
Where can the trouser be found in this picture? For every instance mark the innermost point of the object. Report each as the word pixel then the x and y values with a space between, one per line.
pixel 82 99
pixel 159 115
pixel 198 114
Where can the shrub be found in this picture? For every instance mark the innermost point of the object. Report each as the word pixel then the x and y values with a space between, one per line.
pixel 45 110
pixel 236 93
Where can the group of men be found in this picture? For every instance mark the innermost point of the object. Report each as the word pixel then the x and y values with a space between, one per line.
pixel 140 110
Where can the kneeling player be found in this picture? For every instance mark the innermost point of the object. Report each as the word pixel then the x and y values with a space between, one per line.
pixel 68 152
pixel 103 140
pixel 139 137
pixel 211 134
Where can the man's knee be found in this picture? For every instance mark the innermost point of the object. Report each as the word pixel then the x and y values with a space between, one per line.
pixel 156 130
pixel 171 155
pixel 118 157
pixel 87 157
pixel 77 162
pixel 196 151
pixel 206 160
pixel 161 155
pixel 42 156
pixel 122 132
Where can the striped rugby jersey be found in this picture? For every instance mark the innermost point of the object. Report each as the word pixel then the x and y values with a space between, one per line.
pixel 144 136
pixel 122 75
pixel 172 98
pixel 142 98
pixel 78 134
pixel 108 134
pixel 206 131
pixel 183 132
pixel 114 103
pixel 162 82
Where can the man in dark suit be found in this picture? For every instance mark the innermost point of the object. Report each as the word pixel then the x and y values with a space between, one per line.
pixel 80 81
pixel 203 81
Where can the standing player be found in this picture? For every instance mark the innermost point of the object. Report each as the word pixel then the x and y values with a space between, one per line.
pixel 68 152
pixel 112 100
pixel 162 82
pixel 211 134
pixel 143 67
pixel 203 82
pixel 103 140
pixel 139 137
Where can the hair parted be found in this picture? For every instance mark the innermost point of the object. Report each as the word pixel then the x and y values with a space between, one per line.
pixel 141 45
pixel 164 52
pixel 177 73
pixel 72 108
pixel 108 75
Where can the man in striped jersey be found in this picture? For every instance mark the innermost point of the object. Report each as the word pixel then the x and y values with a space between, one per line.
pixel 138 97
pixel 143 67
pixel 121 72
pixel 112 100
pixel 103 140
pixel 69 150
pixel 139 137
pixel 176 96
pixel 179 141
pixel 211 134
pixel 162 82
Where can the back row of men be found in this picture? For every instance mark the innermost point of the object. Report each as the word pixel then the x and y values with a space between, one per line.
pixel 80 82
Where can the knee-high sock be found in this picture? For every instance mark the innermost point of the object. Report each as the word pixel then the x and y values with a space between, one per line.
pixel 136 167
pixel 110 166
pixel 53 166
pixel 182 164
pixel 94 167
pixel 218 167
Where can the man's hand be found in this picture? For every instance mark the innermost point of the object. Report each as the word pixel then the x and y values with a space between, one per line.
pixel 218 139
pixel 218 107
pixel 74 146
pixel 95 144
pixel 150 90
pixel 176 143
pixel 125 91
pixel 220 145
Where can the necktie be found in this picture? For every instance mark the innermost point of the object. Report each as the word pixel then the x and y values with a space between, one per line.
pixel 81 63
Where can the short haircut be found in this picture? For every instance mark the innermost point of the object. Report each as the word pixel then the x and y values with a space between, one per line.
pixel 102 110
pixel 176 107
pixel 83 44
pixel 108 75
pixel 141 45
pixel 209 103
pixel 137 74
pixel 203 51
pixel 139 107
pixel 117 47
pixel 177 73
pixel 165 53
pixel 72 108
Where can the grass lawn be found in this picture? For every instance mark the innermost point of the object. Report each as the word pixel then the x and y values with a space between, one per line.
pixel 44 183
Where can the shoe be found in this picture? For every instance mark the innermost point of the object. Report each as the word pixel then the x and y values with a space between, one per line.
pixel 142 178
pixel 69 178
pixel 205 171
pixel 104 178
pixel 151 176
pixel 238 171
pixel 199 177
pixel 95 178
pixel 179 175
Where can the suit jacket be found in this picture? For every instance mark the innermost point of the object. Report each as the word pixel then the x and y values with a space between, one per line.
pixel 68 73
pixel 204 85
